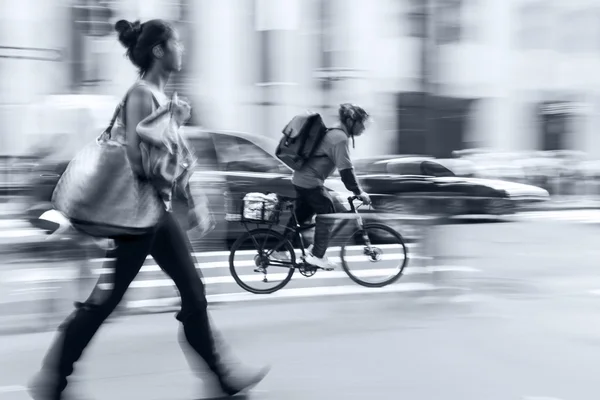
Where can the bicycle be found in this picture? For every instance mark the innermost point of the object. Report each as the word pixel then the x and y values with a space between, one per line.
pixel 262 262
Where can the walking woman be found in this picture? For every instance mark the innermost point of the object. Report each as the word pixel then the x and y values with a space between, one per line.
pixel 154 48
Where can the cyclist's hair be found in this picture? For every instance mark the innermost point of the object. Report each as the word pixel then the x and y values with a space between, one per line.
pixel 352 112
pixel 349 111
pixel 139 40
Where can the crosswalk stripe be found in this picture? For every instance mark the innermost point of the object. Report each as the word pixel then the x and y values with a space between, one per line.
pixel 207 254
pixel 291 293
pixel 59 274
pixel 251 263
pixel 384 272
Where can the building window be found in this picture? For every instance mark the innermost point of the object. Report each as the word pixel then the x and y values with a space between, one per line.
pixel 568 42
pixel 391 14
pixel 274 19
pixel 579 32
pixel 472 20
pixel 449 21
pixel 92 23
pixel 533 22
pixel 415 18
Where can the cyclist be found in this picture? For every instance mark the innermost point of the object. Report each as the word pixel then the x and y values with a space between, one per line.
pixel 311 195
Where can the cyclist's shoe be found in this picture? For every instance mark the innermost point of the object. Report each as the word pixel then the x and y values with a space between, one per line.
pixel 324 263
pixel 280 256
pixel 242 380
pixel 285 256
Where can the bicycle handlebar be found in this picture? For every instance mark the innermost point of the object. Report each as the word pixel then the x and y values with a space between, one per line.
pixel 351 200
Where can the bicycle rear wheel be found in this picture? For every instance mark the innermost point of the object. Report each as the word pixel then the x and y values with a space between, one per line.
pixel 254 265
pixel 385 250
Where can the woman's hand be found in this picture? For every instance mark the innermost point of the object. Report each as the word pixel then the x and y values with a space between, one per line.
pixel 181 109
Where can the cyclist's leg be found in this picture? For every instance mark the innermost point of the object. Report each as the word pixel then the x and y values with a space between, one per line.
pixel 304 212
pixel 320 200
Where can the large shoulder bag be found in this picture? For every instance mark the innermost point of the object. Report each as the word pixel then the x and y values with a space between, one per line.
pixel 101 194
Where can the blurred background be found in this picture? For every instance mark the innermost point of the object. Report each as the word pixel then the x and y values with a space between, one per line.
pixel 514 78
pixel 480 107
pixel 485 135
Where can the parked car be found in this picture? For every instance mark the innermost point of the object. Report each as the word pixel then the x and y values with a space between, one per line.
pixel 407 179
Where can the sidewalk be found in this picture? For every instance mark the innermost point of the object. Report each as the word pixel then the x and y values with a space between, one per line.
pixel 567 203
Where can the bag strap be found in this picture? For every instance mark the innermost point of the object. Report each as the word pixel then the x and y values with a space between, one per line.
pixel 120 106
pixel 123 106
pixel 352 136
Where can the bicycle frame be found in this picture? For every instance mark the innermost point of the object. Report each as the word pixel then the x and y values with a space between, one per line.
pixel 296 232
pixel 355 241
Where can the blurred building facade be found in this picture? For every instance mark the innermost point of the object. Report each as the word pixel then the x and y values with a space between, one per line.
pixel 507 74
pixel 32 44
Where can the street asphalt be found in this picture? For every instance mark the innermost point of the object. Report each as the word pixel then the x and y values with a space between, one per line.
pixel 522 325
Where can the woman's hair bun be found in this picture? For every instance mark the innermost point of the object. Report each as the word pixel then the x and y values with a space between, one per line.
pixel 129 32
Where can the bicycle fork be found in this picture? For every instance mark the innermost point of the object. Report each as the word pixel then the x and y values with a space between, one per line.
pixel 368 249
pixel 361 225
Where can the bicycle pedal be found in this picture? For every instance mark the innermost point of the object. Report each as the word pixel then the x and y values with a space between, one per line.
pixel 323 268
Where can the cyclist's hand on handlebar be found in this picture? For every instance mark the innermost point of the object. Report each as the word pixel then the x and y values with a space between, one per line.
pixel 364 198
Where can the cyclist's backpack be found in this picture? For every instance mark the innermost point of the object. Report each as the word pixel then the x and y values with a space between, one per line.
pixel 301 139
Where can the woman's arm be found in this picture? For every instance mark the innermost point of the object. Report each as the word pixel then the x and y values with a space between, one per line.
pixel 139 106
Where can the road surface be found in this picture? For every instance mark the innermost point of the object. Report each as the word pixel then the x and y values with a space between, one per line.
pixel 498 347
pixel 523 326
pixel 34 291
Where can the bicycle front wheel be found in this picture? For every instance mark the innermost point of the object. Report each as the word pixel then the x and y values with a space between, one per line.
pixel 378 261
pixel 262 261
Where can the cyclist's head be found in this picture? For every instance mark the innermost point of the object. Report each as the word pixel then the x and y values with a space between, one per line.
pixel 354 118
pixel 154 43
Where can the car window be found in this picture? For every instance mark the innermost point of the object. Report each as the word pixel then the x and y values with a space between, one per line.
pixel 379 167
pixel 405 168
pixel 241 155
pixel 205 152
pixel 431 168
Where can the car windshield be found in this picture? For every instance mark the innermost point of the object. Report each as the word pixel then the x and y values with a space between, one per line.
pixel 431 168
pixel 405 168
pixel 205 152
pixel 241 154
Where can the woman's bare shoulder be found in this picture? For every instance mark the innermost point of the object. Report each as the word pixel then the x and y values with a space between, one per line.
pixel 140 94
